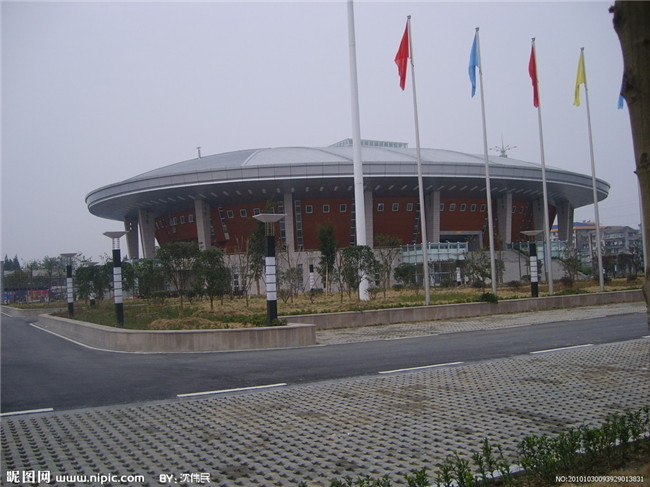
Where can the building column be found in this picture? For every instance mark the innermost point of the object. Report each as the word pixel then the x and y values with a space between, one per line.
pixel 131 227
pixel 289 224
pixel 203 223
pixel 368 201
pixel 432 214
pixel 565 222
pixel 504 218
pixel 147 223
pixel 538 215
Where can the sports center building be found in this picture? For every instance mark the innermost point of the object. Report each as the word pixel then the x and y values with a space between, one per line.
pixel 212 199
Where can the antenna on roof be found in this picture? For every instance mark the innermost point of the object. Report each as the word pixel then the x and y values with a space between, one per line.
pixel 503 150
pixel 199 149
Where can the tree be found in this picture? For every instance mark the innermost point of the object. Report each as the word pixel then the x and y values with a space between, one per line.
pixel 212 273
pixel 387 248
pixel 149 276
pixel 407 275
pixel 358 262
pixel 632 25
pixel 178 260
pixel 11 265
pixel 255 253
pixel 327 245
pixel 53 266
pixel 478 267
pixel 288 282
pixel 572 265
pixel 288 274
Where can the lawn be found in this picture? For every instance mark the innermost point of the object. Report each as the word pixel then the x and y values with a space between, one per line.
pixel 237 312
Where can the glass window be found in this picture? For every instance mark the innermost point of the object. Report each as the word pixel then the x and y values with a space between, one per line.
pixel 452 206
pixel 482 208
pixel 230 214
pixel 243 213
pixel 182 219
pixel 395 206
pixel 190 218
pixel 309 209
pixel 256 211
pixel 380 207
pixel 442 207
pixel 409 206
pixel 326 208
pixel 463 206
pixel 343 208
pixel 473 207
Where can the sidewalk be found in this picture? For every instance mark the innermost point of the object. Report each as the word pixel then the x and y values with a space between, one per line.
pixel 384 332
pixel 375 425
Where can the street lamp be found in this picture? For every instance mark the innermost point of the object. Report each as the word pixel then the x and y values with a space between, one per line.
pixel 269 220
pixel 117 275
pixel 532 250
pixel 69 287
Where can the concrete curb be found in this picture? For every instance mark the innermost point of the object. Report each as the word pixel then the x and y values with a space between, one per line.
pixel 26 313
pixel 352 319
pixel 120 340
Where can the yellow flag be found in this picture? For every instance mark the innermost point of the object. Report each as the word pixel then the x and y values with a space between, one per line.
pixel 580 78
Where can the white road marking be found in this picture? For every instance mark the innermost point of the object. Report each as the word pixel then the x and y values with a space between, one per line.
pixel 419 368
pixel 564 348
pixel 223 391
pixel 28 411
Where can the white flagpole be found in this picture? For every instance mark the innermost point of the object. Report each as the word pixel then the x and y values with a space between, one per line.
pixel 548 256
pixel 423 220
pixel 359 200
pixel 601 278
pixel 488 189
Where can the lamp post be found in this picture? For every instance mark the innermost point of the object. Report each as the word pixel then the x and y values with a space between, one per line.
pixel 532 250
pixel 117 275
pixel 269 220
pixel 69 287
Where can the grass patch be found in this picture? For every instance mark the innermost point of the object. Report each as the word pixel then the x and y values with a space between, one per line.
pixel 238 312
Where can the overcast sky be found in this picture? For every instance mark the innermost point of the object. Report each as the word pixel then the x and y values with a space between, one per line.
pixel 94 93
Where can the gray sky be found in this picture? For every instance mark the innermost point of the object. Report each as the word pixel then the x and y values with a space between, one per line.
pixel 93 93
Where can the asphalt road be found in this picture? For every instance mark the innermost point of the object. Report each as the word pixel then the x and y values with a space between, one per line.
pixel 40 370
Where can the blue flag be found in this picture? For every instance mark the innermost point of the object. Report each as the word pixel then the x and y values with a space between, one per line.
pixel 620 97
pixel 474 62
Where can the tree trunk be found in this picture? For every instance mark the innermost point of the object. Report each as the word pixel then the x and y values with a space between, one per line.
pixel 632 24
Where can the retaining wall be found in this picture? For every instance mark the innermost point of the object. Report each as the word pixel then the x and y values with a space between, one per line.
pixel 108 338
pixel 350 319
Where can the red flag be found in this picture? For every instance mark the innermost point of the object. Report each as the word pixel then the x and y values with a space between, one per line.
pixel 532 70
pixel 402 56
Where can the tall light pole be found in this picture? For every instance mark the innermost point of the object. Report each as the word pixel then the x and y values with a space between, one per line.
pixel 117 275
pixel 269 220
pixel 69 287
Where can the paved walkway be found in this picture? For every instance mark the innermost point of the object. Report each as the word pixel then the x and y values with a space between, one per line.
pixel 376 425
pixel 382 332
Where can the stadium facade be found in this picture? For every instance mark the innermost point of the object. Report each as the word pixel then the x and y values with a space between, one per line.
pixel 212 199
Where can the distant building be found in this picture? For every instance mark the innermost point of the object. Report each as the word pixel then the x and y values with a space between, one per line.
pixel 615 240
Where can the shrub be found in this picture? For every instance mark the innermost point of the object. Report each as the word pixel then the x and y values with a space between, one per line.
pixel 567 281
pixel 488 298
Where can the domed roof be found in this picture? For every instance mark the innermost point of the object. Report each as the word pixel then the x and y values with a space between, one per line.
pixel 389 169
